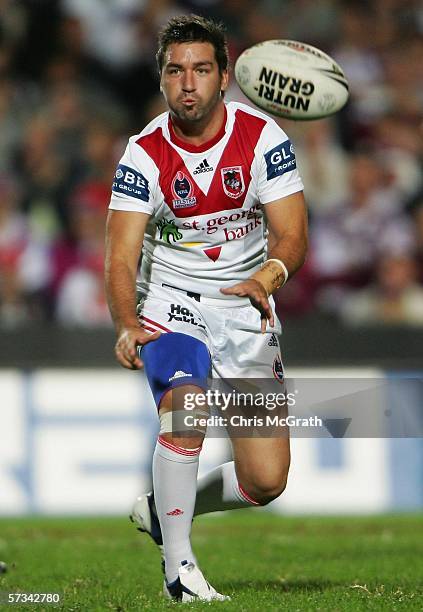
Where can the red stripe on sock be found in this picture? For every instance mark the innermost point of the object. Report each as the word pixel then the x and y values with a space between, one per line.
pixel 247 497
pixel 177 449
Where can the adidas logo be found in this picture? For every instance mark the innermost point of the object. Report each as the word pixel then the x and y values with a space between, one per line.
pixel 179 374
pixel 203 167
pixel 176 512
pixel 273 341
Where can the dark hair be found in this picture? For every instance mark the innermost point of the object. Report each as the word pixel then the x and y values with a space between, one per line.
pixel 193 28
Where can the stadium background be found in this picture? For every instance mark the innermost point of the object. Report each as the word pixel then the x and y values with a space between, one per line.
pixel 76 78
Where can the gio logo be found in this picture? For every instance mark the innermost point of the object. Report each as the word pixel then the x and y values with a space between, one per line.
pixel 131 182
pixel 279 160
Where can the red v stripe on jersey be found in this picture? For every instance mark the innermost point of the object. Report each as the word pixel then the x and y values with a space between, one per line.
pixel 239 151
pixel 169 163
pixel 197 148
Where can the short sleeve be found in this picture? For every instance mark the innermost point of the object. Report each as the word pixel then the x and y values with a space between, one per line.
pixel 134 183
pixel 278 175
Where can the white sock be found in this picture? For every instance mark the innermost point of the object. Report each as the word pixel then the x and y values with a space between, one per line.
pixel 219 489
pixel 175 483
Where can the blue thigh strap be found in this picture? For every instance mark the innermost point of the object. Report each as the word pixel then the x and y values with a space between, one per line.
pixel 173 360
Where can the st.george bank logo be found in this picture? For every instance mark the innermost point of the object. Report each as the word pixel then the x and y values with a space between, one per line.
pixel 182 191
pixel 233 181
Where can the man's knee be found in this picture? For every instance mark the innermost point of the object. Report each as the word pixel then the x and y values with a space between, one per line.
pixel 174 427
pixel 186 442
pixel 264 488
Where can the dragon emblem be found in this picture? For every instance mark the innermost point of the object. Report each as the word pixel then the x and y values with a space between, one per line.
pixel 168 230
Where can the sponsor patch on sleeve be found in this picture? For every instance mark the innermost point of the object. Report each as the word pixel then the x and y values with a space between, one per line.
pixel 131 182
pixel 279 160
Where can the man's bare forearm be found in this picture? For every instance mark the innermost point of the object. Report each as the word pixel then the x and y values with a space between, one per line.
pixel 291 250
pixel 121 295
pixel 287 241
pixel 124 239
pixel 292 253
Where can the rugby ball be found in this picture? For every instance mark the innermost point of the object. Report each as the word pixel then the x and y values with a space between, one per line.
pixel 291 79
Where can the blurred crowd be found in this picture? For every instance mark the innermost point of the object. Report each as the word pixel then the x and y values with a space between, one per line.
pixel 77 77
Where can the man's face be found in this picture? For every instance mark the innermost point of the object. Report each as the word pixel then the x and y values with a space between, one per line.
pixel 190 81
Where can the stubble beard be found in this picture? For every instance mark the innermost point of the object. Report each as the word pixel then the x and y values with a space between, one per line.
pixel 198 113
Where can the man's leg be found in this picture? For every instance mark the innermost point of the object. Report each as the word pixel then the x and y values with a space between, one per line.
pixel 175 468
pixel 257 476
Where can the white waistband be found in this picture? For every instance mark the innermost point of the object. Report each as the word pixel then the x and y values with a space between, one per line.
pixel 222 302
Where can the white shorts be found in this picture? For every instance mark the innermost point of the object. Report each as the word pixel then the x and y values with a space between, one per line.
pixel 232 335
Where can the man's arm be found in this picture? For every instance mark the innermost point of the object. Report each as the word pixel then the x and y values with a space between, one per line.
pixel 287 224
pixel 124 239
pixel 288 240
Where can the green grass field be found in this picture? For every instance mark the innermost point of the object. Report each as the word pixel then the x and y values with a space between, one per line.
pixel 265 562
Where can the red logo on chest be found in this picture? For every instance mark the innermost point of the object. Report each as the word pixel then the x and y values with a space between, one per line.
pixel 233 181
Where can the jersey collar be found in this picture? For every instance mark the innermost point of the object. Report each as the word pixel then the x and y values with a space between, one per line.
pixel 192 148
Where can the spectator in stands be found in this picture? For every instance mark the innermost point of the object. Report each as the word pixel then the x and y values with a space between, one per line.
pixel 24 266
pixel 400 145
pixel 418 220
pixel 13 236
pixel 81 301
pixel 42 173
pixel 78 278
pixel 320 158
pixel 394 298
pixel 346 241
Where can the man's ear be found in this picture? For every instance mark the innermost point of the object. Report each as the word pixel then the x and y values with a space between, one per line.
pixel 224 81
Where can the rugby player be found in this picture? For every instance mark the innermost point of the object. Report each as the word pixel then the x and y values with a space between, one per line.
pixel 210 193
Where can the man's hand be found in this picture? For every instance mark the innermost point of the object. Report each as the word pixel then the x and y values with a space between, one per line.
pixel 126 346
pixel 254 290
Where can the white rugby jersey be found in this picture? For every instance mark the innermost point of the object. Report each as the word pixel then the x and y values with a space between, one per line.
pixel 207 227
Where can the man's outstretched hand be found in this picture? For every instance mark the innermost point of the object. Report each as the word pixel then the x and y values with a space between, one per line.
pixel 126 346
pixel 254 290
